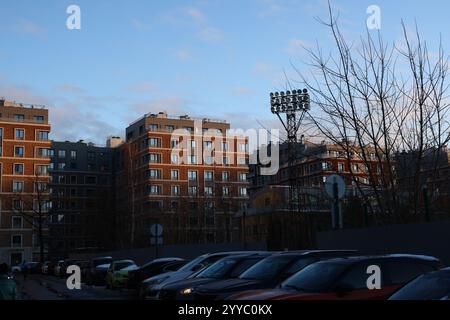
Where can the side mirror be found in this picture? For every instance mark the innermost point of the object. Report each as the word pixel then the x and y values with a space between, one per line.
pixel 344 289
pixel 198 267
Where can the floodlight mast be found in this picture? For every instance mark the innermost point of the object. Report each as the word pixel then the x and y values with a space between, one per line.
pixel 292 103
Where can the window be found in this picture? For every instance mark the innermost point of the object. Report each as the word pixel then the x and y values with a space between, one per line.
pixel 192 191
pixel 40 186
pixel 243 147
pixel 192 160
pixel 225 191
pixel 18 168
pixel 91 156
pixel 91 180
pixel 153 127
pixel 51 152
pixel 242 176
pixel 19 134
pixel 17 205
pixel 208 191
pixel 42 153
pixel 155 158
pixel 16 241
pixel 225 146
pixel 242 192
pixel 209 175
pixel 242 161
pixel 19 152
pixel 208 160
pixel 73 154
pixel 155 174
pixel 154 143
pixel 19 117
pixel 18 186
pixel 175 190
pixel 174 174
pixel 174 159
pixel 192 175
pixel 193 144
pixel 17 223
pixel 174 143
pixel 1 133
pixel 42 135
pixel 39 119
pixel 170 128
pixel 61 153
pixel 356 278
pixel 225 161
pixel 207 144
pixel 61 166
pixel 340 167
pixel 225 176
pixel 155 190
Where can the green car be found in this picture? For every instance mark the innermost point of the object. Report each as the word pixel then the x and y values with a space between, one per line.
pixel 117 274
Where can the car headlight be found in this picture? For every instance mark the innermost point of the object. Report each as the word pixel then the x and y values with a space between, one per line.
pixel 186 291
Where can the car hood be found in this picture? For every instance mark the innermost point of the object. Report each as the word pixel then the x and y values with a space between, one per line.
pixel 166 278
pixel 272 294
pixel 189 283
pixel 230 285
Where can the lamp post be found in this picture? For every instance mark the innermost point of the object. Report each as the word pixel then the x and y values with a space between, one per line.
pixel 292 103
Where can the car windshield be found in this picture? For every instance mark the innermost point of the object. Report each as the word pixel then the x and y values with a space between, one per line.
pixel 218 270
pixel 122 265
pixel 316 277
pixel 267 269
pixel 432 286
pixel 192 264
pixel 101 261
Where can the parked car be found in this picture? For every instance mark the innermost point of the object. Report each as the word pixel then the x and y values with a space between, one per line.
pixel 152 268
pixel 267 273
pixel 431 286
pixel 151 286
pixel 57 271
pixel 346 279
pixel 226 268
pixel 117 274
pixel 92 275
pixel 48 267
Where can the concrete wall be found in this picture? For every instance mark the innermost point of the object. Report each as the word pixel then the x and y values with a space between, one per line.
pixel 424 238
pixel 141 256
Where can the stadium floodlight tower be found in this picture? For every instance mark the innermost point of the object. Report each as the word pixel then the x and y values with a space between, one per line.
pixel 294 104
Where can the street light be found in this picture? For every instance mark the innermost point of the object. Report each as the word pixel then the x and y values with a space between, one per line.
pixel 291 103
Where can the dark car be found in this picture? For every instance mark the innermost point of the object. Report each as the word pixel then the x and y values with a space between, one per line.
pixel 31 268
pixel 431 286
pixel 153 268
pixel 267 273
pixel 48 267
pixel 226 268
pixel 348 279
pixel 94 274
pixel 151 286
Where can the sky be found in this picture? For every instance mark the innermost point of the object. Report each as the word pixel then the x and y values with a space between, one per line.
pixel 217 58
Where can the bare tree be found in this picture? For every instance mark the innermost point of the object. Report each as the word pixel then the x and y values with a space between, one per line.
pixel 34 208
pixel 380 102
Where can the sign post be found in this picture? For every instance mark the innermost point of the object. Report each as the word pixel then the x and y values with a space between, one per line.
pixel 335 189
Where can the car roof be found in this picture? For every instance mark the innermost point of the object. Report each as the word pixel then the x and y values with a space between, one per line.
pixel 355 259
pixel 315 252
pixel 124 261
pixel 232 253
pixel 102 258
pixel 248 255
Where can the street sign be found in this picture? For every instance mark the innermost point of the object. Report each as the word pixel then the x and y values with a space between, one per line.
pixel 330 184
pixel 156 241
pixel 156 230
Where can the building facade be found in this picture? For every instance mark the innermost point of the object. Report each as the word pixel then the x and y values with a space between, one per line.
pixel 24 196
pixel 82 194
pixel 189 175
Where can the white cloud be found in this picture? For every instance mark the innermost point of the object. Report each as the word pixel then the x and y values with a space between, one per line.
pixel 196 15
pixel 183 55
pixel 140 25
pixel 210 34
pixel 31 28
pixel 142 87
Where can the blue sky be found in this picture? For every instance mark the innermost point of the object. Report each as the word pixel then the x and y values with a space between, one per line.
pixel 217 58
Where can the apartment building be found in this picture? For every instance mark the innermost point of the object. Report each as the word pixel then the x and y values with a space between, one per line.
pixel 82 193
pixel 24 198
pixel 187 174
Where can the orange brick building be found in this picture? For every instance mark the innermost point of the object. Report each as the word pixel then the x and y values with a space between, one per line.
pixel 24 160
pixel 183 173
